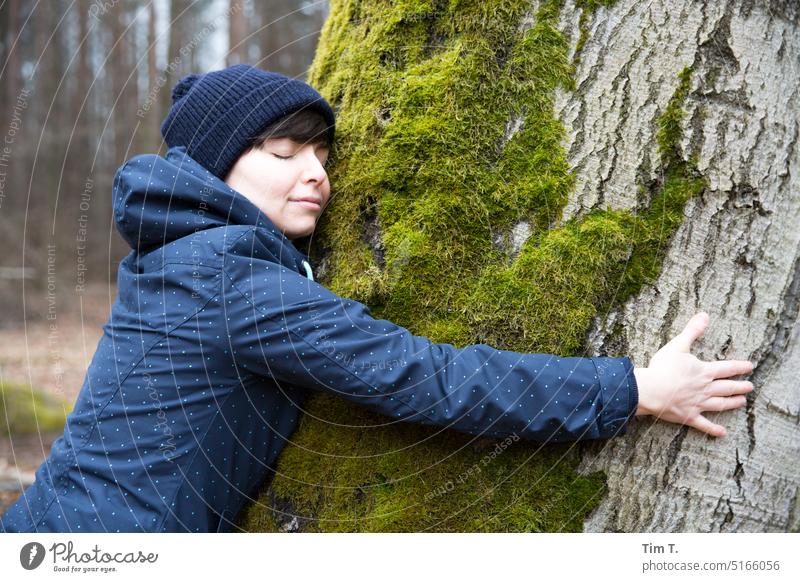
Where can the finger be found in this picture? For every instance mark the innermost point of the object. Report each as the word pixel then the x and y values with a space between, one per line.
pixel 695 327
pixel 719 403
pixel 729 387
pixel 727 368
pixel 702 424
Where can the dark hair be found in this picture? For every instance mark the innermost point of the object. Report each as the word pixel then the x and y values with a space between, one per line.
pixel 306 126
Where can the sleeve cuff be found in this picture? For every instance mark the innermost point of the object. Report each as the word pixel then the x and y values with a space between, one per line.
pixel 619 393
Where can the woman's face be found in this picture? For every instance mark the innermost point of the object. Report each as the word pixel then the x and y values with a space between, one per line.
pixel 287 181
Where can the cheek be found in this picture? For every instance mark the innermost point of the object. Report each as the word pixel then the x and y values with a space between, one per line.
pixel 275 188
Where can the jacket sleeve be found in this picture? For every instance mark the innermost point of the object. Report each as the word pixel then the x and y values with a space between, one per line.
pixel 292 329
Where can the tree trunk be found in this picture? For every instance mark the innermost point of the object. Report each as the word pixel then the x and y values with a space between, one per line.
pixel 237 34
pixel 178 65
pixel 153 115
pixel 121 80
pixel 575 178
pixel 736 255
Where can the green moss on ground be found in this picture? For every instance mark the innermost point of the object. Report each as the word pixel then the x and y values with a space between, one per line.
pixel 424 93
pixel 24 410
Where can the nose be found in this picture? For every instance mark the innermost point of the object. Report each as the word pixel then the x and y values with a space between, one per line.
pixel 314 170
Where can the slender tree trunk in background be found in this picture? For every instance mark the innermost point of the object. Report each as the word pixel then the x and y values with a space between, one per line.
pixel 177 66
pixel 566 178
pixel 46 182
pixel 122 82
pixel 268 35
pixel 286 28
pixel 12 48
pixel 79 198
pixel 237 33
pixel 82 105
pixel 11 51
pixel 136 61
pixel 153 115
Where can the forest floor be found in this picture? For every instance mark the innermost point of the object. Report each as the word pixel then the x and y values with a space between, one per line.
pixel 50 355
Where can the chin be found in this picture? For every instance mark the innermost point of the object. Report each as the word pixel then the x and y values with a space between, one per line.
pixel 300 233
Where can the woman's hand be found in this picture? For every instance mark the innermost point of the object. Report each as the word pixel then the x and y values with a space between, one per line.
pixel 678 387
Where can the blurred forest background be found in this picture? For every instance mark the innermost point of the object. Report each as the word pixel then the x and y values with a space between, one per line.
pixel 86 84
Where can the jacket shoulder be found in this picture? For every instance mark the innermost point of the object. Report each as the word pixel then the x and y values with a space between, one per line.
pixel 208 247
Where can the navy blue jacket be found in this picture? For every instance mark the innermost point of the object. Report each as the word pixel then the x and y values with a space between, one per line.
pixel 219 333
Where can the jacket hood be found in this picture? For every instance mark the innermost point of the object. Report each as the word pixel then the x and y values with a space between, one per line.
pixel 160 199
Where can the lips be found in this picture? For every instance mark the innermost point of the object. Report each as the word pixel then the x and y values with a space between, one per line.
pixel 309 202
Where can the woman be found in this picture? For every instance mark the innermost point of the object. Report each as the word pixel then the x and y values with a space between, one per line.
pixel 219 333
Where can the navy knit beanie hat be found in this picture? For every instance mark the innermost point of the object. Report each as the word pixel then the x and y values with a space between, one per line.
pixel 216 115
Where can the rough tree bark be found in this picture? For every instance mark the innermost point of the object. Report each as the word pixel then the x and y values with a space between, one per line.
pixel 658 101
pixel 736 255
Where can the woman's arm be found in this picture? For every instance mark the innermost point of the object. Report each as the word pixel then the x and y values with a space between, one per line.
pixel 290 329
pixel 284 326
pixel 677 387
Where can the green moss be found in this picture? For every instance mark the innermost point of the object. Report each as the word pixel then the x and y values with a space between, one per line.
pixel 24 410
pixel 669 124
pixel 407 478
pixel 424 93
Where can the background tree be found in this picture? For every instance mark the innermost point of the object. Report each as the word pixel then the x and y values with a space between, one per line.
pixel 575 178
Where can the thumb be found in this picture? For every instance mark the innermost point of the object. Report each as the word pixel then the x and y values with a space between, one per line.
pixel 695 327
